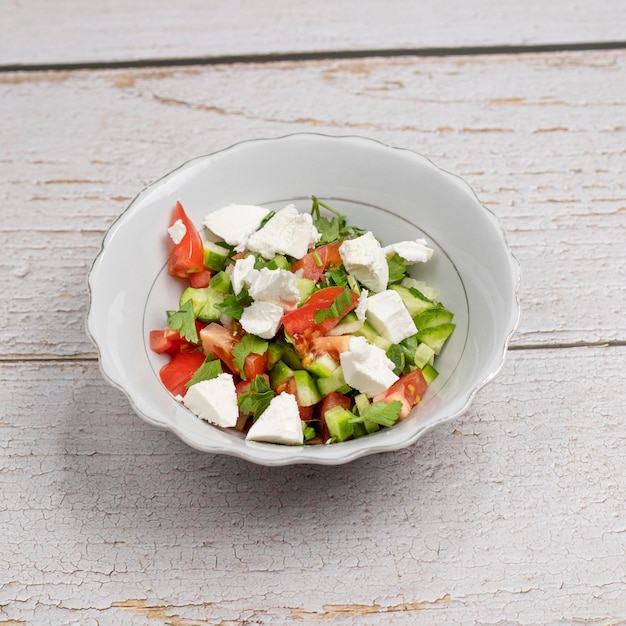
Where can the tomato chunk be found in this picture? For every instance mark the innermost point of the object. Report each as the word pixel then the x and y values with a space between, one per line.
pixel 409 389
pixel 220 341
pixel 300 323
pixel 255 364
pixel 180 370
pixel 201 279
pixel 187 256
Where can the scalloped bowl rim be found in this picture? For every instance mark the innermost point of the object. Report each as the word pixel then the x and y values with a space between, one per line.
pixel 214 440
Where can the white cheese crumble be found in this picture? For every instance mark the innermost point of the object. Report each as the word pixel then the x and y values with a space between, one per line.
pixel 279 287
pixel 411 251
pixel 235 223
pixel 279 423
pixel 364 258
pixel 242 273
pixel 214 400
pixel 262 319
pixel 389 316
pixel 177 231
pixel 361 307
pixel 287 232
pixel 366 367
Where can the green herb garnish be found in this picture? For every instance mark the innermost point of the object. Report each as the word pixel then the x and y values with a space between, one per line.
pixel 249 344
pixel 184 321
pixel 211 368
pixel 381 413
pixel 336 309
pixel 255 398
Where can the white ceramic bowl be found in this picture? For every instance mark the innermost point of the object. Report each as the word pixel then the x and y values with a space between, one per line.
pixel 396 193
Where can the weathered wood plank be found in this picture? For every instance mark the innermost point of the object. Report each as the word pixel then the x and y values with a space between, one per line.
pixel 513 513
pixel 38 31
pixel 540 137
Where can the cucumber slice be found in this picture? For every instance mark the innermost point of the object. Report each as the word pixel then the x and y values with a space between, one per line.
pixel 280 374
pixel 338 422
pixel 323 366
pixel 220 282
pixel 274 352
pixel 436 336
pixel 334 382
pixel 306 287
pixel 430 373
pixel 433 317
pixel 306 389
pixel 349 325
pixel 415 301
pixel 215 255
pixel 424 355
pixel 421 286
pixel 202 301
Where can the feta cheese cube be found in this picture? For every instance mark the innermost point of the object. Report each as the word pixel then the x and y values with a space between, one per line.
pixel 235 223
pixel 366 367
pixel 411 251
pixel 389 316
pixel 242 274
pixel 364 258
pixel 288 232
pixel 279 287
pixel 214 400
pixel 279 423
pixel 177 231
pixel 262 319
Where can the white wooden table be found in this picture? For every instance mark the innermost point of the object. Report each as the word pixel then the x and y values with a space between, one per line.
pixel 512 514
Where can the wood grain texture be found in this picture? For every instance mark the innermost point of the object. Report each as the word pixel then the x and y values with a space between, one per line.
pixel 36 31
pixel 540 137
pixel 512 514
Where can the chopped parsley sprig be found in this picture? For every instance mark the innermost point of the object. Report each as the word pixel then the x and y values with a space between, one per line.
pixel 184 321
pixel 331 229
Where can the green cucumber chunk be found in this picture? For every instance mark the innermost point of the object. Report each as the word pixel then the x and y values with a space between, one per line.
pixel 433 317
pixel 306 389
pixel 216 255
pixel 430 373
pixel 415 301
pixel 323 366
pixel 280 374
pixel 338 422
pixel 436 336
pixel 203 301
pixel 335 382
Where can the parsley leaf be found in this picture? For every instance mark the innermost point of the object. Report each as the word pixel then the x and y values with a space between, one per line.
pixel 255 398
pixel 397 268
pixel 381 413
pixel 336 276
pixel 211 368
pixel 184 321
pixel 342 301
pixel 334 228
pixel 396 354
pixel 233 306
pixel 249 344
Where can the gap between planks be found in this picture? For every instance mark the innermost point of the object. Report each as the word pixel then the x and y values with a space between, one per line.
pixel 319 55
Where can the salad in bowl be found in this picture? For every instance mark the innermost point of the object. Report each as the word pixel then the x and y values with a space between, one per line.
pixel 303 299
pixel 296 328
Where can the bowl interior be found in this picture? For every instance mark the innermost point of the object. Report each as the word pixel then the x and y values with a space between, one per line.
pixel 397 194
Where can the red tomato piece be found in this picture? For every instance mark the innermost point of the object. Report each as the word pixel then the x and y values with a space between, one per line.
pixel 179 371
pixel 409 389
pixel 165 341
pixel 316 262
pixel 255 364
pixel 300 323
pixel 312 264
pixel 220 341
pixel 187 256
pixel 201 279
